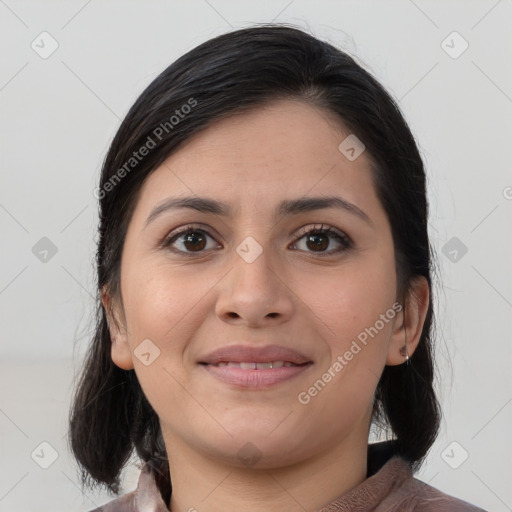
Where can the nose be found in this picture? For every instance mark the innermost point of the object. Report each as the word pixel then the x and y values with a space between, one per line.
pixel 254 293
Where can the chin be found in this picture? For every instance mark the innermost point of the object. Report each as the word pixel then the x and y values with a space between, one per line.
pixel 257 455
pixel 254 445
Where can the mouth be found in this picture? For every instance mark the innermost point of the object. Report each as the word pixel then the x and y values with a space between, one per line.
pixel 255 376
pixel 254 365
pixel 247 354
pixel 250 366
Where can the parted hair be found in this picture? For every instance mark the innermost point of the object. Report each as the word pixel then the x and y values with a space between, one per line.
pixel 110 418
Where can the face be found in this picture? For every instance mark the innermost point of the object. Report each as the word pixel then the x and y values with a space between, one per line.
pixel 313 280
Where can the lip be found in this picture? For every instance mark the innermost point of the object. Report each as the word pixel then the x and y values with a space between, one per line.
pixel 254 378
pixel 250 353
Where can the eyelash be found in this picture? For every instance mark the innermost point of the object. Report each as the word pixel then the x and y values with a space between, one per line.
pixel 344 240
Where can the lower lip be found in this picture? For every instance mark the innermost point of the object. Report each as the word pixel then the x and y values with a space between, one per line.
pixel 255 378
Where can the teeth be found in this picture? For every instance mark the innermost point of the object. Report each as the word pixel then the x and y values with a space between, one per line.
pixel 256 366
pixel 263 366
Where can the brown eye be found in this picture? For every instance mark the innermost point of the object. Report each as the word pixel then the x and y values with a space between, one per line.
pixel 318 239
pixel 188 241
pixel 194 241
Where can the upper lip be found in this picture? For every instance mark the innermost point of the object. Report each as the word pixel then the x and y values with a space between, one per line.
pixel 250 353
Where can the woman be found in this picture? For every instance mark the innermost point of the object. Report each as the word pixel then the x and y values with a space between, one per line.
pixel 264 271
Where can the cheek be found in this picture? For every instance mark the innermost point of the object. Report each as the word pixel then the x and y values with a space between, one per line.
pixel 165 303
pixel 150 306
pixel 151 293
pixel 161 305
pixel 350 300
pixel 348 315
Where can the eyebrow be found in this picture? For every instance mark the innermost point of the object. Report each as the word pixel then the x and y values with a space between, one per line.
pixel 286 207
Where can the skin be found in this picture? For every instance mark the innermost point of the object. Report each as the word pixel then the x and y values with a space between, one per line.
pixel 293 294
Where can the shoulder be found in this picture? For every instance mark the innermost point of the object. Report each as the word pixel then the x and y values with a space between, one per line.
pixel 145 497
pixel 425 498
pixel 408 494
pixel 125 503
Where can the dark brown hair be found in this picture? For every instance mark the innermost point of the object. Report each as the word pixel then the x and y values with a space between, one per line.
pixel 232 73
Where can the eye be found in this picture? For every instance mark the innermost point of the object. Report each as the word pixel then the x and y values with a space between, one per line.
pixel 189 240
pixel 318 238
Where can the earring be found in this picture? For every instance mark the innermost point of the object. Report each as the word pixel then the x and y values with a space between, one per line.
pixel 405 353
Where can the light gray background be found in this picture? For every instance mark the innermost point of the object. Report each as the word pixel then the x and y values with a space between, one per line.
pixel 59 114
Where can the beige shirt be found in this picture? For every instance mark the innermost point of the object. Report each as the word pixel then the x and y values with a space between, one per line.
pixel 391 489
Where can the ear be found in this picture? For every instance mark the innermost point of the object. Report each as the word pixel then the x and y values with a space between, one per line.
pixel 120 350
pixel 409 323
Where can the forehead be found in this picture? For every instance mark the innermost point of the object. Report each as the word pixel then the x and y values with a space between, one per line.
pixel 286 149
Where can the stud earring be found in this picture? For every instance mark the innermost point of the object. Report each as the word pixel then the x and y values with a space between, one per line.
pixel 405 353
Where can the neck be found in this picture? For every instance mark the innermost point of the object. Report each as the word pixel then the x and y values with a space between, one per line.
pixel 202 483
